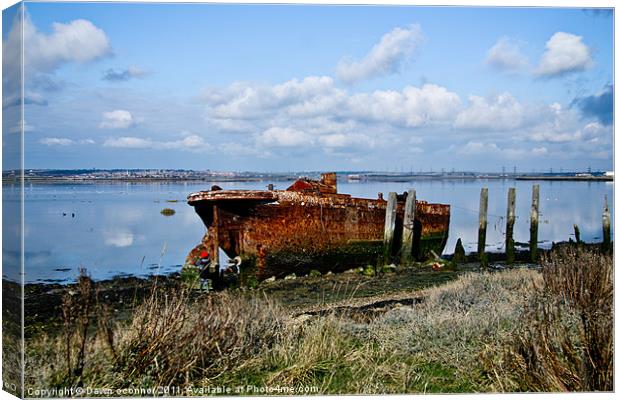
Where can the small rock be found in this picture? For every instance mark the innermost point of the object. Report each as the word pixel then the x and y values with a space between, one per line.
pixel 329 273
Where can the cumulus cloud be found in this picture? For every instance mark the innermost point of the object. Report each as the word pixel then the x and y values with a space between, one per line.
pixel 249 101
pixel 386 57
pixel 52 141
pixel 502 112
pixel 539 151
pixel 314 112
pixel 565 53
pixel 78 41
pixel 411 107
pixel 113 75
pixel 599 106
pixel 562 127
pixel 506 55
pixel 117 119
pixel 188 143
pixel 490 149
pixel 283 137
pixel 347 140
pixel 317 97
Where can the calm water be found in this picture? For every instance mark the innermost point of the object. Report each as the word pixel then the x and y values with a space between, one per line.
pixel 117 229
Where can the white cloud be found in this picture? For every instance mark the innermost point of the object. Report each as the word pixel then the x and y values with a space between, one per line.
pixel 316 98
pixel 506 55
pixel 492 150
pixel 117 119
pixel 21 127
pixel 503 112
pixel 129 142
pixel 124 75
pixel 283 137
pixel 556 125
pixel 347 140
pixel 77 41
pixel 539 151
pixel 565 53
pixel 236 149
pixel 312 114
pixel 188 143
pixel 410 107
pixel 249 101
pixel 52 141
pixel 477 148
pixel 385 58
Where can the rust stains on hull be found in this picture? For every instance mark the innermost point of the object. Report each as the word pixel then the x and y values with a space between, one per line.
pixel 308 226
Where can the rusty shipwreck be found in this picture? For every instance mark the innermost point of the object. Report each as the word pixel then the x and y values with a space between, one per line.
pixel 308 226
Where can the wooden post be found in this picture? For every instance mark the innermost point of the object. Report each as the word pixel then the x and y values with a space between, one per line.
pixel 606 246
pixel 215 252
pixel 406 248
pixel 534 223
pixel 577 234
pixel 459 254
pixel 482 226
pixel 510 223
pixel 390 226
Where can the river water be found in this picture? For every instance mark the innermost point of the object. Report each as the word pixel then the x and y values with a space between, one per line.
pixel 116 229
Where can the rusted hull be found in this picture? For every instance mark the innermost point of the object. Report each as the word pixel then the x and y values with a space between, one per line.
pixel 279 232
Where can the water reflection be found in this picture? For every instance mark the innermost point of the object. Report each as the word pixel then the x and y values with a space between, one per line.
pixel 116 229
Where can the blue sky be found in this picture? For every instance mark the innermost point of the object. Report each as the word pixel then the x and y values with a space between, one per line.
pixel 280 88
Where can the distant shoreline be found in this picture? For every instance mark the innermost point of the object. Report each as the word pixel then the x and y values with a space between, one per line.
pixel 566 178
pixel 275 178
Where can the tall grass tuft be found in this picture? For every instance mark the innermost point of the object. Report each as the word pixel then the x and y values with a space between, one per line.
pixel 170 339
pixel 566 343
pixel 172 342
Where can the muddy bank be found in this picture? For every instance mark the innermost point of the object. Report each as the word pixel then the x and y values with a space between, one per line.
pixel 304 294
pixel 42 301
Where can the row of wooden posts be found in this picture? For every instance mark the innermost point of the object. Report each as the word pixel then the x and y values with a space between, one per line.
pixel 409 217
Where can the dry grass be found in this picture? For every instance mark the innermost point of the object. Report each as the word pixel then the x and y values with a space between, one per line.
pixel 517 330
pixel 170 340
pixel 428 347
pixel 566 343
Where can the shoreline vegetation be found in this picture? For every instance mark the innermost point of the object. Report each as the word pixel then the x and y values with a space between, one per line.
pixel 406 330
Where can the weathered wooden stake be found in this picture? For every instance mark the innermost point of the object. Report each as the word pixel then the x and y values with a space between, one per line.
pixel 215 252
pixel 390 226
pixel 606 227
pixel 459 253
pixel 534 223
pixel 510 223
pixel 482 226
pixel 577 234
pixel 406 249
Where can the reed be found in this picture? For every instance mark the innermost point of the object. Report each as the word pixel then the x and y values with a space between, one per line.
pixel 566 343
